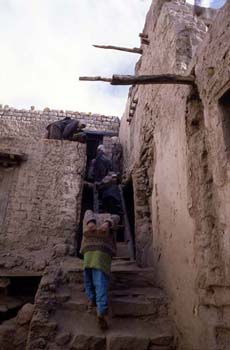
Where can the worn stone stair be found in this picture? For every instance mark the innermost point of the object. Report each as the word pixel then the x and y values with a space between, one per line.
pixel 138 317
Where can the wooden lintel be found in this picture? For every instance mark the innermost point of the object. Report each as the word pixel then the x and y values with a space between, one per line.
pixel 145 79
pixel 126 49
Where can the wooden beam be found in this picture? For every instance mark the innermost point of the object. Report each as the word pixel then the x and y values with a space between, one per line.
pixel 152 79
pixel 108 80
pixel 126 49
pixel 144 79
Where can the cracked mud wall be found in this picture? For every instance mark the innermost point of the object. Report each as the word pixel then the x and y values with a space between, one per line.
pixel 41 203
pixel 175 152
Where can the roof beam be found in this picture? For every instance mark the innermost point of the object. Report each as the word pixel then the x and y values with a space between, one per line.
pixel 144 79
pixel 119 48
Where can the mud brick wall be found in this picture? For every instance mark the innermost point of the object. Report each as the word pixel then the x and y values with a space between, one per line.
pixel 40 201
pixel 177 157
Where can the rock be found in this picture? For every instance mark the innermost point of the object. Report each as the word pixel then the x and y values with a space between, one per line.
pixel 88 342
pixel 63 338
pixel 25 314
pixel 18 261
pixel 40 265
pixel 60 250
pixel 4 282
pixel 71 250
pixel 39 343
pixel 127 343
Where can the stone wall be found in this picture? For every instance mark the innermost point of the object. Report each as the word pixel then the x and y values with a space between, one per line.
pixel 25 123
pixel 176 155
pixel 40 201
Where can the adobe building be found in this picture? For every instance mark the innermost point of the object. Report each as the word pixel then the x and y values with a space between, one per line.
pixel 176 144
pixel 176 176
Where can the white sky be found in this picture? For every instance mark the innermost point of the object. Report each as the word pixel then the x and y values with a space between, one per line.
pixel 47 44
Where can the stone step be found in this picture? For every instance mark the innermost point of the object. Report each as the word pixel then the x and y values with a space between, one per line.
pixel 123 334
pixel 125 274
pixel 136 302
pixel 122 251
pixel 135 308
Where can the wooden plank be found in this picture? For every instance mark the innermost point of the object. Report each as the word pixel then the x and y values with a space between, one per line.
pixel 119 48
pixel 144 79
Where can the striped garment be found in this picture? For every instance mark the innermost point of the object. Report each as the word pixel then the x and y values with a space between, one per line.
pixel 99 240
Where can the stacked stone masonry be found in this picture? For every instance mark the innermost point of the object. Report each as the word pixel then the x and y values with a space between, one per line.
pixel 27 123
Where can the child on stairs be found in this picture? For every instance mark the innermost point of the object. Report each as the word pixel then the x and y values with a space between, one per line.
pixel 98 247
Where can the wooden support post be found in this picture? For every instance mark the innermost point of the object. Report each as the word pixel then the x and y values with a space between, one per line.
pixel 126 49
pixel 144 79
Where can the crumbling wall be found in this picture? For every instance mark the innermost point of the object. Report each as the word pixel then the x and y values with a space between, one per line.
pixel 40 199
pixel 42 202
pixel 174 144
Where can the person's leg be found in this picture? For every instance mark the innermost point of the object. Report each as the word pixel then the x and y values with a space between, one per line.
pixel 89 287
pixel 101 284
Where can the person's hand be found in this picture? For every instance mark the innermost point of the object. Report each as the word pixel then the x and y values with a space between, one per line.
pixel 105 227
pixel 91 226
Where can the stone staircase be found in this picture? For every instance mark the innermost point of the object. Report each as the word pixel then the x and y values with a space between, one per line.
pixel 138 312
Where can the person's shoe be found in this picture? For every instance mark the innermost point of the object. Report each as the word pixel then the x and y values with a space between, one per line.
pixel 91 305
pixel 102 322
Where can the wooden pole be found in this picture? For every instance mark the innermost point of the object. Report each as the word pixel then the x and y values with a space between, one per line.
pixel 126 49
pixel 108 80
pixel 152 79
pixel 144 79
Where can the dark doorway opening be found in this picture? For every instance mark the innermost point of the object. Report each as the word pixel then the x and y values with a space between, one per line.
pixel 87 201
pixel 19 291
pixel 224 103
pixel 92 142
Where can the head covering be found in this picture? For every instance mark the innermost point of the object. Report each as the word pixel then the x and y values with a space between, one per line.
pixel 101 148
pixel 115 140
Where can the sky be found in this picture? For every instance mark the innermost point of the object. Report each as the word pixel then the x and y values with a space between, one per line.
pixel 47 44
